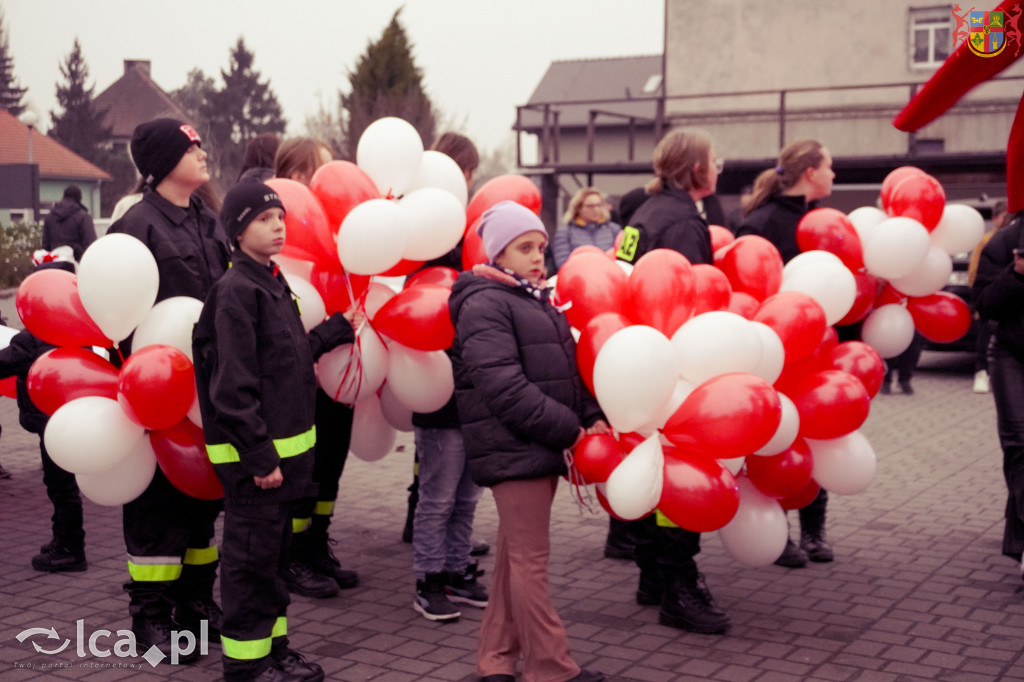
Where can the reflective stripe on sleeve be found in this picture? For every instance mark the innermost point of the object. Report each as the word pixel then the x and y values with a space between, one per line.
pixel 225 453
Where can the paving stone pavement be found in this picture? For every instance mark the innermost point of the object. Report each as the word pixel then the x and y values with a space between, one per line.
pixel 918 590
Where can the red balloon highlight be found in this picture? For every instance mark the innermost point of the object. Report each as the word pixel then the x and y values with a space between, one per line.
pixel 828 229
pixel 50 307
pixel 307 234
pixel 340 186
pixel 862 361
pixel 593 284
pixel 782 475
pixel 517 188
pixel 661 290
pixel 711 289
pixel 698 494
pixel 797 318
pixel 418 317
pixel 181 454
pixel 753 266
pixel 156 387
pixel 596 456
pixel 831 403
pixel 941 317
pixel 60 375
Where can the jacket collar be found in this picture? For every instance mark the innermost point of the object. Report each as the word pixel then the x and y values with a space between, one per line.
pixel 175 214
pixel 270 278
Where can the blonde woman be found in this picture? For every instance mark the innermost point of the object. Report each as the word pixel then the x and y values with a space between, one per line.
pixel 587 222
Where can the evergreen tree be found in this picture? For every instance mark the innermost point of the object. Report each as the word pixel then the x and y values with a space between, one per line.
pixel 80 127
pixel 10 93
pixel 386 82
pixel 196 99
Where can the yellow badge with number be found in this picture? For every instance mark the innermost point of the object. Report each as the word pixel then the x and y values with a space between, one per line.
pixel 630 242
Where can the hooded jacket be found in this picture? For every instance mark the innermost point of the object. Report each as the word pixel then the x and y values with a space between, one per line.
pixel 68 223
pixel 520 396
pixel 998 290
pixel 776 220
pixel 667 220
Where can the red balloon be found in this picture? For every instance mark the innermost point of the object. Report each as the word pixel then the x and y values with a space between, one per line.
pixel 729 415
pixel 473 251
pixel 157 386
pixel 920 197
pixel 50 307
pixel 341 186
pixel 894 178
pixel 711 289
pixel 630 440
pixel 784 474
pixel 864 303
pixel 417 317
pixel 402 268
pixel 797 318
pixel 337 288
pixel 831 403
pixel 63 374
pixel 862 361
pixel 941 317
pixel 698 494
pixel 438 274
pixel 596 456
pixel 593 284
pixel 592 337
pixel 307 233
pixel 802 498
pixel 794 372
pixel 660 290
pixel 720 236
pixel 828 229
pixel 181 454
pixel 743 304
pixel 753 266
pixel 889 294
pixel 517 188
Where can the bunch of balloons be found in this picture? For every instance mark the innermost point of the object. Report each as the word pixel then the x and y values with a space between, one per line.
pixel 732 398
pixel 112 427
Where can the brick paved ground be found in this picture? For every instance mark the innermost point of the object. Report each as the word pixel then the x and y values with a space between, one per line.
pixel 918 590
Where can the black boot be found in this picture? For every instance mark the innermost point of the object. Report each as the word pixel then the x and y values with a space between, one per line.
pixel 619 543
pixel 300 578
pixel 812 530
pixel 150 632
pixel 60 558
pixel 688 605
pixel 792 556
pixel 192 595
pixel 320 557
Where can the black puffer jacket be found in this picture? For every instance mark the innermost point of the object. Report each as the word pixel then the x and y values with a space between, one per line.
pixel 776 221
pixel 16 360
pixel 68 223
pixel 998 290
pixel 667 220
pixel 520 396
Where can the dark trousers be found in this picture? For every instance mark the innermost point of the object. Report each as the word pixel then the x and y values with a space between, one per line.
pixel 333 436
pixel 1007 382
pixel 62 489
pixel 663 550
pixel 253 594
pixel 160 526
pixel 904 364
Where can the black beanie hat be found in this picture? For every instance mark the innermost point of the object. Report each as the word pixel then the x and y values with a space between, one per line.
pixel 158 145
pixel 243 203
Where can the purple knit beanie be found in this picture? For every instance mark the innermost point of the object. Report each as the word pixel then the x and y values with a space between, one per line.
pixel 503 223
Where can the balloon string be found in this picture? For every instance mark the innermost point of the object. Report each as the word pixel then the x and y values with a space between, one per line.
pixel 355 364
pixel 578 488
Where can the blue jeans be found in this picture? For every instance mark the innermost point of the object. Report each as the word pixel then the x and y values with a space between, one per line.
pixel 443 526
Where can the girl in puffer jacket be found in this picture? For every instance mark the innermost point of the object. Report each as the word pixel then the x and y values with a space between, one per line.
pixel 522 403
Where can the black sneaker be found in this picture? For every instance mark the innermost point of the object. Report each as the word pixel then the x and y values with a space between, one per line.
pixel 431 600
pixel 295 665
pixel 60 560
pixel 190 616
pixel 301 580
pixel 320 559
pixel 464 589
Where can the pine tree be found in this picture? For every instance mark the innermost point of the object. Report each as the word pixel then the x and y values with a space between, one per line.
pixel 10 93
pixel 80 127
pixel 386 82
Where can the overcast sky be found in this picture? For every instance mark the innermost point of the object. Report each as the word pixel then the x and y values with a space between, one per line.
pixel 479 58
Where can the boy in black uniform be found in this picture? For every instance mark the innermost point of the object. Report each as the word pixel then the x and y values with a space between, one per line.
pixel 169 536
pixel 257 387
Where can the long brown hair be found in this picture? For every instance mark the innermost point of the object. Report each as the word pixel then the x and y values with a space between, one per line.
pixel 676 158
pixel 797 157
pixel 461 150
pixel 298 154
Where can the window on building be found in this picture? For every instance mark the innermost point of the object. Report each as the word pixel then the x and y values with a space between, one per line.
pixel 925 146
pixel 931 37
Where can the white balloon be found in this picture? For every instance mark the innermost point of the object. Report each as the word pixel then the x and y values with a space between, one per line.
pixel 89 435
pixel 437 169
pixel 889 329
pixel 295 266
pixel 635 373
pixel 6 334
pixel 625 267
pixel 437 221
pixel 927 278
pixel 773 354
pixel 396 414
pixel 896 247
pixel 123 482
pixel 372 436
pixel 351 372
pixel 390 151
pixel 118 281
pixel 757 534
pixel 714 343
pixel 960 229
pixel 634 487
pixel 194 414
pixel 789 428
pixel 421 380
pixel 373 236
pixel 865 219
pixel 844 465
pixel 830 284
pixel 377 294
pixel 170 323
pixel 813 257
pixel 679 393
pixel 734 464
pixel 312 309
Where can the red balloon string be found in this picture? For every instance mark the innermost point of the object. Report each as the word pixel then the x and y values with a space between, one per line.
pixel 577 486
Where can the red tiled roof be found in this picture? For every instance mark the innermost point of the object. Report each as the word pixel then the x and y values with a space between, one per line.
pixel 133 99
pixel 53 158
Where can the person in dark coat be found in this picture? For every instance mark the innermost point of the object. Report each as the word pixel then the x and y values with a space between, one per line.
pixel 69 223
pixel 522 403
pixel 172 559
pixel 780 198
pixel 686 172
pixel 998 293
pixel 257 395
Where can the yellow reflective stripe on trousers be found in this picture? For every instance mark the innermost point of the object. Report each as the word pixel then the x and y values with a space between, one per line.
pixel 225 453
pixel 324 508
pixel 201 556
pixel 251 649
pixel 300 525
pixel 662 520
pixel 154 568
